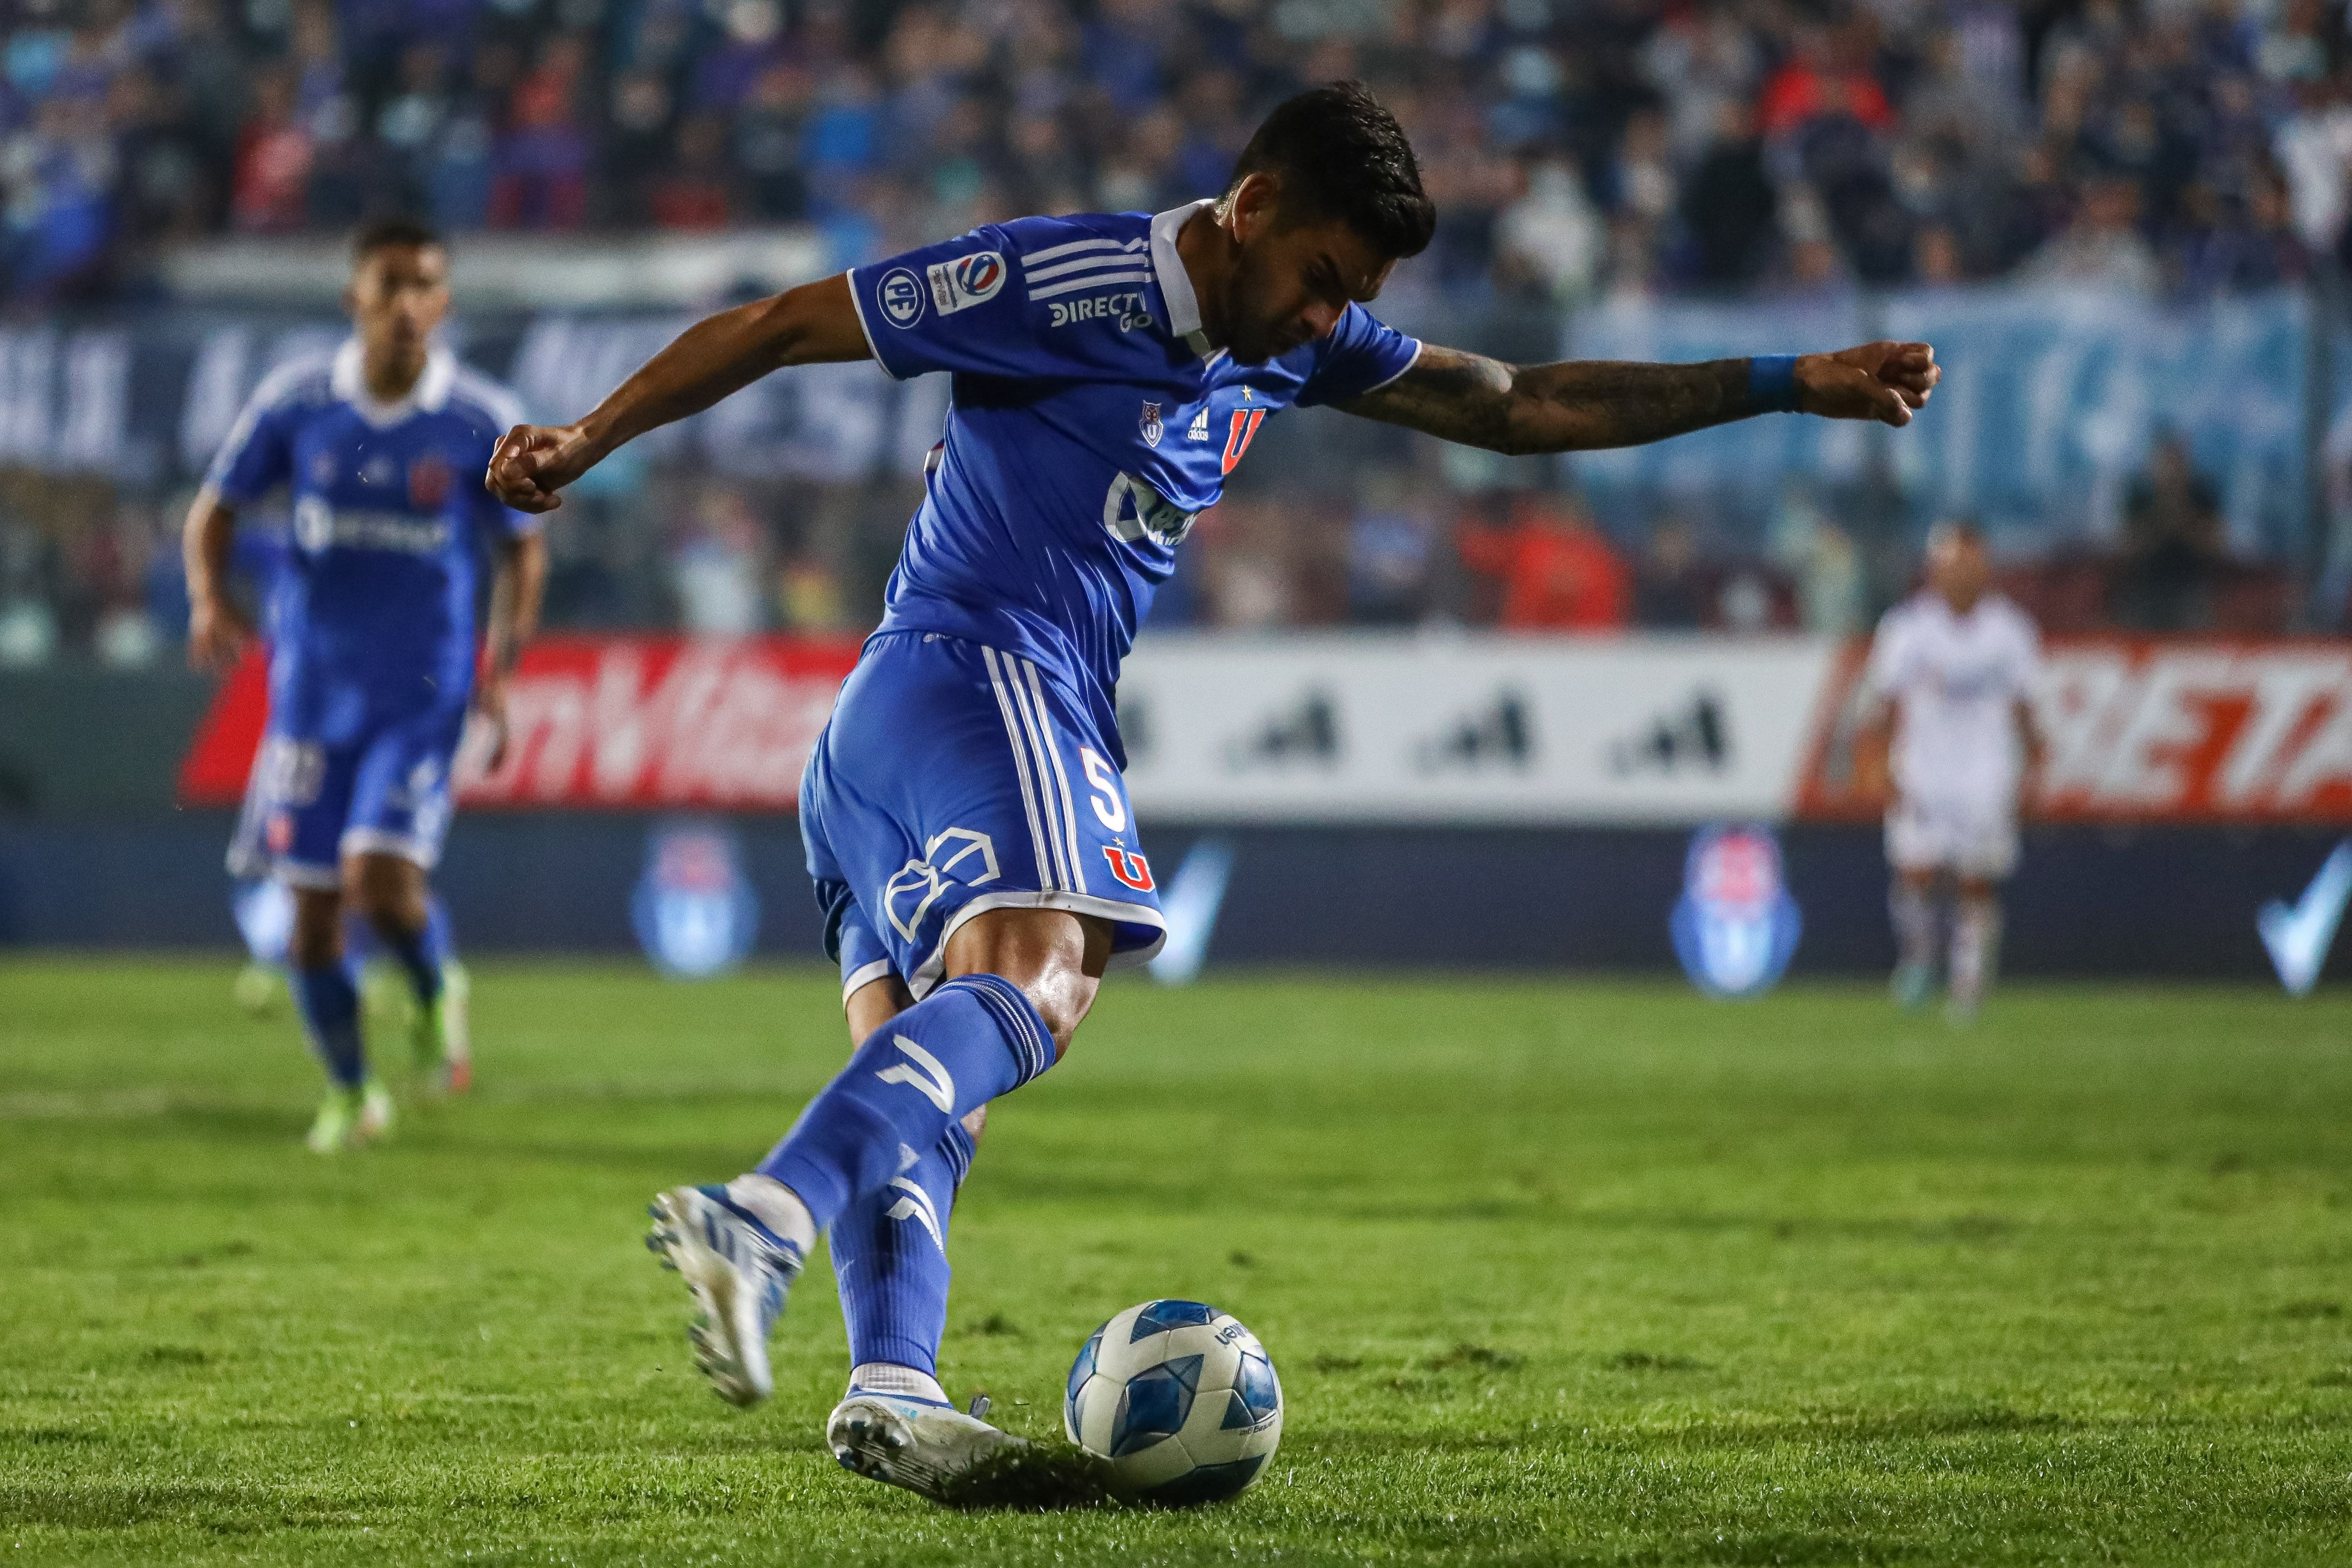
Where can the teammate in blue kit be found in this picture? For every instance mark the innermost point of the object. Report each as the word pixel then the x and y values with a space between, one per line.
pixel 370 620
pixel 964 815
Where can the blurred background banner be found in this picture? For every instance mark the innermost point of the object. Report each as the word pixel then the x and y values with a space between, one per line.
pixel 640 722
pixel 2141 730
pixel 2054 399
pixel 1463 727
pixel 1360 728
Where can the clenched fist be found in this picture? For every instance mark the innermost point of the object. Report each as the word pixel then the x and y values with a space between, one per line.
pixel 534 461
pixel 1885 382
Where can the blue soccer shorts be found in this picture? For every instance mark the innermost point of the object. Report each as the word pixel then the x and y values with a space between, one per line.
pixel 954 779
pixel 383 791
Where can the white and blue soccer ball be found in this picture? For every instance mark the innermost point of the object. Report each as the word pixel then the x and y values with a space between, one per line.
pixel 1180 1398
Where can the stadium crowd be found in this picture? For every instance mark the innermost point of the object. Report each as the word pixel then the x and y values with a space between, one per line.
pixel 1572 145
pixel 1580 150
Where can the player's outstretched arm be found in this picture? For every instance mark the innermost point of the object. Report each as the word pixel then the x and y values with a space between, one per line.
pixel 815 323
pixel 217 629
pixel 1584 404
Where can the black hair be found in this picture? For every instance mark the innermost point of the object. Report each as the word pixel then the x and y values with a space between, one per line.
pixel 1339 155
pixel 384 232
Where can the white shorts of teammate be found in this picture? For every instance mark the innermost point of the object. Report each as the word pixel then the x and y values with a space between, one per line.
pixel 1975 839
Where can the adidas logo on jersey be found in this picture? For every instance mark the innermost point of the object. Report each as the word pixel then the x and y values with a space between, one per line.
pixel 1199 429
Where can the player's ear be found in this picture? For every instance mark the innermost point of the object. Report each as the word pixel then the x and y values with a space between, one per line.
pixel 1253 205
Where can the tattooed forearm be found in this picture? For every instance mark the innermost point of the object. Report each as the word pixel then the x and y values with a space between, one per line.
pixel 1573 407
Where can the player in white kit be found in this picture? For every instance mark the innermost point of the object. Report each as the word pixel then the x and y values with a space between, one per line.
pixel 1949 740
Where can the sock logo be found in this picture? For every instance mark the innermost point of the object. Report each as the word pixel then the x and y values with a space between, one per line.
pixel 917 1204
pixel 922 1072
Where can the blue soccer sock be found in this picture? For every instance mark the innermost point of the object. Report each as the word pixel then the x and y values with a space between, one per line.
pixel 890 1260
pixel 331 1013
pixel 968 1041
pixel 422 953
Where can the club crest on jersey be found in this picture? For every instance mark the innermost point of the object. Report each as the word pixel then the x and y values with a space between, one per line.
pixel 966 281
pixel 900 295
pixel 428 484
pixel 1129 868
pixel 1152 428
pixel 1244 430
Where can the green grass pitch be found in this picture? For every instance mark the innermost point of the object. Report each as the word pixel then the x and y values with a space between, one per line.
pixel 1554 1271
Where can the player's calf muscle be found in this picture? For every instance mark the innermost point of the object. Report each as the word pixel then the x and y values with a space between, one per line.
pixel 317 939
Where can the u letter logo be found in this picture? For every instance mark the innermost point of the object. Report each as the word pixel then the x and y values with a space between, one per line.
pixel 1129 868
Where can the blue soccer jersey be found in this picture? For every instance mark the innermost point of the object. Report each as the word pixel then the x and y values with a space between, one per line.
pixel 372 615
pixel 1090 423
pixel 371 607
pixel 973 761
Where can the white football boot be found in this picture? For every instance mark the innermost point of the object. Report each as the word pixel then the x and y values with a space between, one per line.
pixel 739 1272
pixel 912 1443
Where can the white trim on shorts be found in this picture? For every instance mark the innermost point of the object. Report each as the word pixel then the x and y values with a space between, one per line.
pixel 929 972
pixel 304 874
pixel 864 974
pixel 376 841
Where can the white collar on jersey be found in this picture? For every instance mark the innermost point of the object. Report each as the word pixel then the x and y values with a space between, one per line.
pixel 1175 283
pixel 348 381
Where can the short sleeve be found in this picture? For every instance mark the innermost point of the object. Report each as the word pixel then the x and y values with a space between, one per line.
pixel 1889 650
pixel 258 455
pixel 1362 353
pixel 953 306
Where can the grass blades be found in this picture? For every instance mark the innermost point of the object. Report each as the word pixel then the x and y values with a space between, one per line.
pixel 1553 1272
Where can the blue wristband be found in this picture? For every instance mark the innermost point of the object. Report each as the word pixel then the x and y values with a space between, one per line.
pixel 1772 383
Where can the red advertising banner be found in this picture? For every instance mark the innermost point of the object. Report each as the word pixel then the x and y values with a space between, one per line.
pixel 2184 730
pixel 604 721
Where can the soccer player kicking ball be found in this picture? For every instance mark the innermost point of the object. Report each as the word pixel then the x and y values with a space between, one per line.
pixel 964 813
pixel 382 446
pixel 1946 724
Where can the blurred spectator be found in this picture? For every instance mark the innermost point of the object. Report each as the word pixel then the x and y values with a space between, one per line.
pixel 2240 244
pixel 692 193
pixel 715 567
pixel 1672 590
pixel 1729 205
pixel 1389 556
pixel 2102 247
pixel 1556 570
pixel 2172 547
pixel 542 158
pixel 273 159
pixel 1548 242
pixel 1820 560
pixel 2314 153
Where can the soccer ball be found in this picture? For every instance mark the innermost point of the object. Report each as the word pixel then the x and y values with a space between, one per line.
pixel 1180 1398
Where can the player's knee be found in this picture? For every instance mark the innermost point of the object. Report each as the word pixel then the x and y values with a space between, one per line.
pixel 387 891
pixel 1055 957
